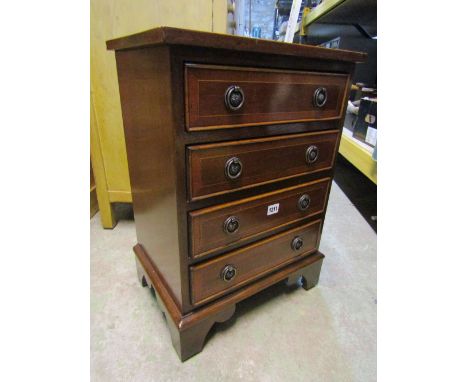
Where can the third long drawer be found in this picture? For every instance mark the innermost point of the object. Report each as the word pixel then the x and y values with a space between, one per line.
pixel 227 225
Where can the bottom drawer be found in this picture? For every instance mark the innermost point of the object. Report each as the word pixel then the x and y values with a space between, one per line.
pixel 233 270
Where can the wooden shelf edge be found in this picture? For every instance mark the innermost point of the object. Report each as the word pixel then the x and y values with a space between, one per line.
pixel 120 196
pixel 359 157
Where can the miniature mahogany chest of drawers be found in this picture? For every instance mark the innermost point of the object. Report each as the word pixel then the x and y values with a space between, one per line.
pixel 231 145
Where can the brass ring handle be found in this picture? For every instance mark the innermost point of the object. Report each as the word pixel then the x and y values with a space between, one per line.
pixel 304 202
pixel 312 154
pixel 297 243
pixel 233 168
pixel 231 225
pixel 228 272
pixel 320 97
pixel 234 97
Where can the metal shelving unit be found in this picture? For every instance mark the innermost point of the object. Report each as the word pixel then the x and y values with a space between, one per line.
pixel 319 11
pixel 333 18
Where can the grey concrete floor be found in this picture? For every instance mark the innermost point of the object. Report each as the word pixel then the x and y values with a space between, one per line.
pixel 325 334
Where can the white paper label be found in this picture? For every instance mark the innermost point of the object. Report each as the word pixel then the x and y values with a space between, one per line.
pixel 273 209
pixel 371 136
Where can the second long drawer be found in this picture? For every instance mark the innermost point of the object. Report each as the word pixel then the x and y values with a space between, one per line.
pixel 226 225
pixel 219 168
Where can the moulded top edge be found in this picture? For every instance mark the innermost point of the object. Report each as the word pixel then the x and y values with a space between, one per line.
pixel 176 36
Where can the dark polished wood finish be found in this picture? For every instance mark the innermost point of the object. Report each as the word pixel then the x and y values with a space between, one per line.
pixel 200 171
pixel 144 82
pixel 270 96
pixel 207 225
pixel 188 331
pixel 308 276
pixel 176 36
pixel 263 160
pixel 252 262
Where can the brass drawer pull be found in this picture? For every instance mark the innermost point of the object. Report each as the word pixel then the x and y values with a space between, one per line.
pixel 234 97
pixel 231 225
pixel 297 243
pixel 233 168
pixel 228 273
pixel 312 154
pixel 320 97
pixel 304 202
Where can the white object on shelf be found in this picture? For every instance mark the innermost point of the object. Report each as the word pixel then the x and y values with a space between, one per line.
pixel 292 22
pixel 352 108
pixel 371 136
pixel 349 134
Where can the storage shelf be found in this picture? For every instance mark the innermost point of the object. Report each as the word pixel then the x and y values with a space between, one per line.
pixel 359 154
pixel 341 13
pixel 317 12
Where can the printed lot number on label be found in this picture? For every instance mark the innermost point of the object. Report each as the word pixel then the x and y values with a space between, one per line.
pixel 273 209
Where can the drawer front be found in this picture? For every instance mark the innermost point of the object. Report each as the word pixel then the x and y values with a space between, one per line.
pixel 219 227
pixel 226 97
pixel 220 168
pixel 226 273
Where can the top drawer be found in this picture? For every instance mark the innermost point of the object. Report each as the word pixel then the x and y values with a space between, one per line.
pixel 218 97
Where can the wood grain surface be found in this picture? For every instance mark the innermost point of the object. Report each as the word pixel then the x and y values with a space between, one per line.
pixel 175 36
pixel 207 225
pixel 263 160
pixel 270 96
pixel 251 262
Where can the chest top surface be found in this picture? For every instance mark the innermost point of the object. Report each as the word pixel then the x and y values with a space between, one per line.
pixel 175 36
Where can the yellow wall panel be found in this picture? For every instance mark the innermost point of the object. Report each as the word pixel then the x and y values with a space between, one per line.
pixel 116 18
pixel 220 16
